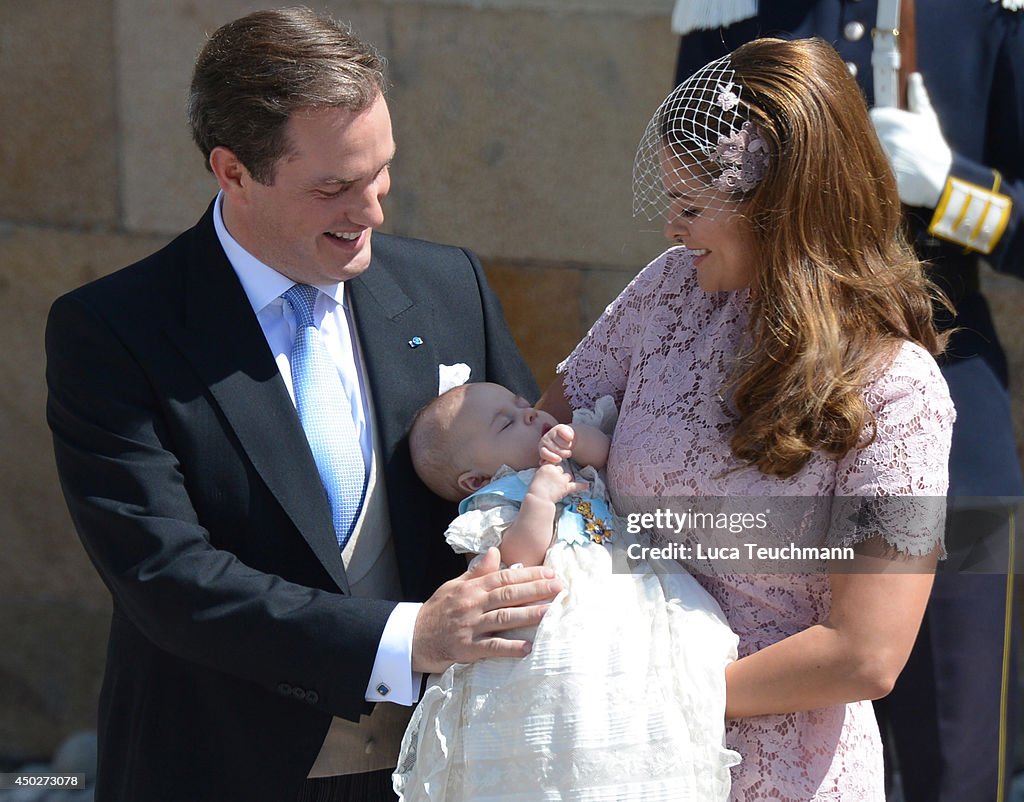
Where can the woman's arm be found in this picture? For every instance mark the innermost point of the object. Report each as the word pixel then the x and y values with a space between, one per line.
pixel 878 600
pixel 856 654
pixel 555 402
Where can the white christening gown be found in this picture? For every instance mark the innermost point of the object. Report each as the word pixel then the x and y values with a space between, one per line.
pixel 621 698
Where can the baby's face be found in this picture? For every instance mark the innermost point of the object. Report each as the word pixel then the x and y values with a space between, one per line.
pixel 499 428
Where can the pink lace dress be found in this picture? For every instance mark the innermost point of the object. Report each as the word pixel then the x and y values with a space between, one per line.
pixel 663 350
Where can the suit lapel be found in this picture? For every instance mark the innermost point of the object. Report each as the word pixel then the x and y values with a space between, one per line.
pixel 224 342
pixel 396 337
pixel 402 375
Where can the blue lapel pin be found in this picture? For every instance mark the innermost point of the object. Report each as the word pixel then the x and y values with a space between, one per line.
pixel 415 342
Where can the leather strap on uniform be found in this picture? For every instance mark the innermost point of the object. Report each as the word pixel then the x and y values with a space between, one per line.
pixel 907 43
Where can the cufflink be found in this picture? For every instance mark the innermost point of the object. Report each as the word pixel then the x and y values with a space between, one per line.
pixel 383 689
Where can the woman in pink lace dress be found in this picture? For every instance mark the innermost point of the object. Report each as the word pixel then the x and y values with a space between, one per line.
pixel 783 348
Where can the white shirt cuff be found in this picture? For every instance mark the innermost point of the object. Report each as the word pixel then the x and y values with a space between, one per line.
pixel 392 678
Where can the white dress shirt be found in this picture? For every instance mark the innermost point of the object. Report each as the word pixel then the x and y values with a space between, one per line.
pixel 263 286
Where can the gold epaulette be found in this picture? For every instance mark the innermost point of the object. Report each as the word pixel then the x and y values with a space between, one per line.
pixel 971 215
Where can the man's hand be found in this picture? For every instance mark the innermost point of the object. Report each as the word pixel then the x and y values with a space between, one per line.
pixel 915 147
pixel 462 621
pixel 556 444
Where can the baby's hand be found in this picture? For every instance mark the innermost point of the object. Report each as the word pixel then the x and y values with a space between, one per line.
pixel 552 483
pixel 556 444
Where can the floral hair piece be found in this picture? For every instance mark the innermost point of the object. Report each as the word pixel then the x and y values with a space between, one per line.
pixel 744 157
pixel 699 138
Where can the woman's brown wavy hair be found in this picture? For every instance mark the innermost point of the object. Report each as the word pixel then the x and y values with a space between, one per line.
pixel 837 285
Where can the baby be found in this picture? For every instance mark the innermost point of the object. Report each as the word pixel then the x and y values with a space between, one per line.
pixel 623 694
pixel 466 437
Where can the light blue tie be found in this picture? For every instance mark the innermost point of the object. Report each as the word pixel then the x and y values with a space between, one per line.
pixel 326 416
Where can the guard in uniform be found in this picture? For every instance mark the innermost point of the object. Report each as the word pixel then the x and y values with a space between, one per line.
pixel 958 155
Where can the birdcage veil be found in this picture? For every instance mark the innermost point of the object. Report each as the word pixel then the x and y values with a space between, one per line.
pixel 699 142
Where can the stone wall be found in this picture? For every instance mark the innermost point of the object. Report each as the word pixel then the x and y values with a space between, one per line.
pixel 516 122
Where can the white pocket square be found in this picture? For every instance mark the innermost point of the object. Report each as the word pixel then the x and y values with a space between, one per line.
pixel 449 376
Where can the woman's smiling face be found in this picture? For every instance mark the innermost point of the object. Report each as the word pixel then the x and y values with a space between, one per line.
pixel 709 223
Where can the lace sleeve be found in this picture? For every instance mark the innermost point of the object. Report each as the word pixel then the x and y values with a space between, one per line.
pixel 600 363
pixel 901 477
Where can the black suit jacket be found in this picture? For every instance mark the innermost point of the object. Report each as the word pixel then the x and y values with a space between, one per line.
pixel 233 639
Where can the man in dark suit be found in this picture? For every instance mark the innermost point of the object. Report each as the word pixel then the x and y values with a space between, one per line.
pixel 250 635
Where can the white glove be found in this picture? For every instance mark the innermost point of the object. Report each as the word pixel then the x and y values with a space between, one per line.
pixel 915 147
